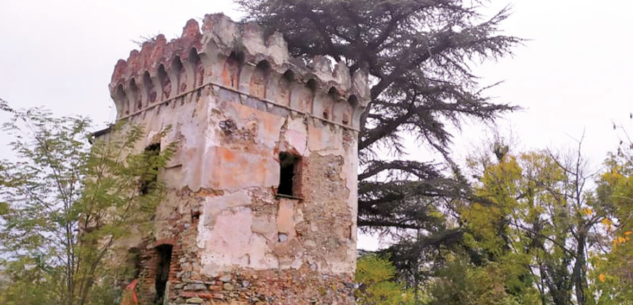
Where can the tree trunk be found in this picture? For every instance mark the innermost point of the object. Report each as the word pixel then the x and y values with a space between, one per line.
pixel 578 276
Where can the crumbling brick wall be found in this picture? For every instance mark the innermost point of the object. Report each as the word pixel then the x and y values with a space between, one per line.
pixel 248 120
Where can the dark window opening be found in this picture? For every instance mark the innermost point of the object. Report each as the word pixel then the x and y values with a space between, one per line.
pixel 150 177
pixel 288 178
pixel 162 272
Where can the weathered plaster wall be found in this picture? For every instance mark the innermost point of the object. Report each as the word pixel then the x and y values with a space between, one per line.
pixel 232 112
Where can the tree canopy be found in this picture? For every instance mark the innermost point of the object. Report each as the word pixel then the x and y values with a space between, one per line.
pixel 65 202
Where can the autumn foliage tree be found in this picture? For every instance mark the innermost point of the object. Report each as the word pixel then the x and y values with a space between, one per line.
pixel 541 221
pixel 376 277
pixel 613 267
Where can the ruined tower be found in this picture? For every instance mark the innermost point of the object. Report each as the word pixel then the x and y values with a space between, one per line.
pixel 262 193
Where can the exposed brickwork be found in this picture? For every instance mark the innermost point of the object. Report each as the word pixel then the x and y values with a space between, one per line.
pixel 235 101
pixel 148 273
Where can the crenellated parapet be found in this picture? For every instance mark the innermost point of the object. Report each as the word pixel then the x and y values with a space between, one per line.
pixel 237 57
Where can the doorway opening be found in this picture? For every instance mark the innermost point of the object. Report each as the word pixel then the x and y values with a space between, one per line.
pixel 162 272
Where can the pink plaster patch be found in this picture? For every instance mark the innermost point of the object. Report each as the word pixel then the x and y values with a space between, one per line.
pixel 234 169
pixel 285 217
pixel 297 140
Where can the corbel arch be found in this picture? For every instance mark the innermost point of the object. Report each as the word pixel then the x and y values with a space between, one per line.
pixel 259 80
pixel 303 95
pixel 165 82
pixel 231 71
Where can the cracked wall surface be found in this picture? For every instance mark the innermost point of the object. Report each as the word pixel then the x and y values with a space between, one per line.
pixel 234 239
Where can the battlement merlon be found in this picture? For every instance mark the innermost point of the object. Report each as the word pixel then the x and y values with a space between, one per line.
pixel 237 57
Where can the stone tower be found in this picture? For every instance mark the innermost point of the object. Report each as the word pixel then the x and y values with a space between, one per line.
pixel 262 193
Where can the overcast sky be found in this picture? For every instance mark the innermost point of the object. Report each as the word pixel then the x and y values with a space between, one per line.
pixel 573 75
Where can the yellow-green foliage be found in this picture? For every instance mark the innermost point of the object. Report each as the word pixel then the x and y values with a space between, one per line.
pixel 612 271
pixel 534 218
pixel 463 284
pixel 378 286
